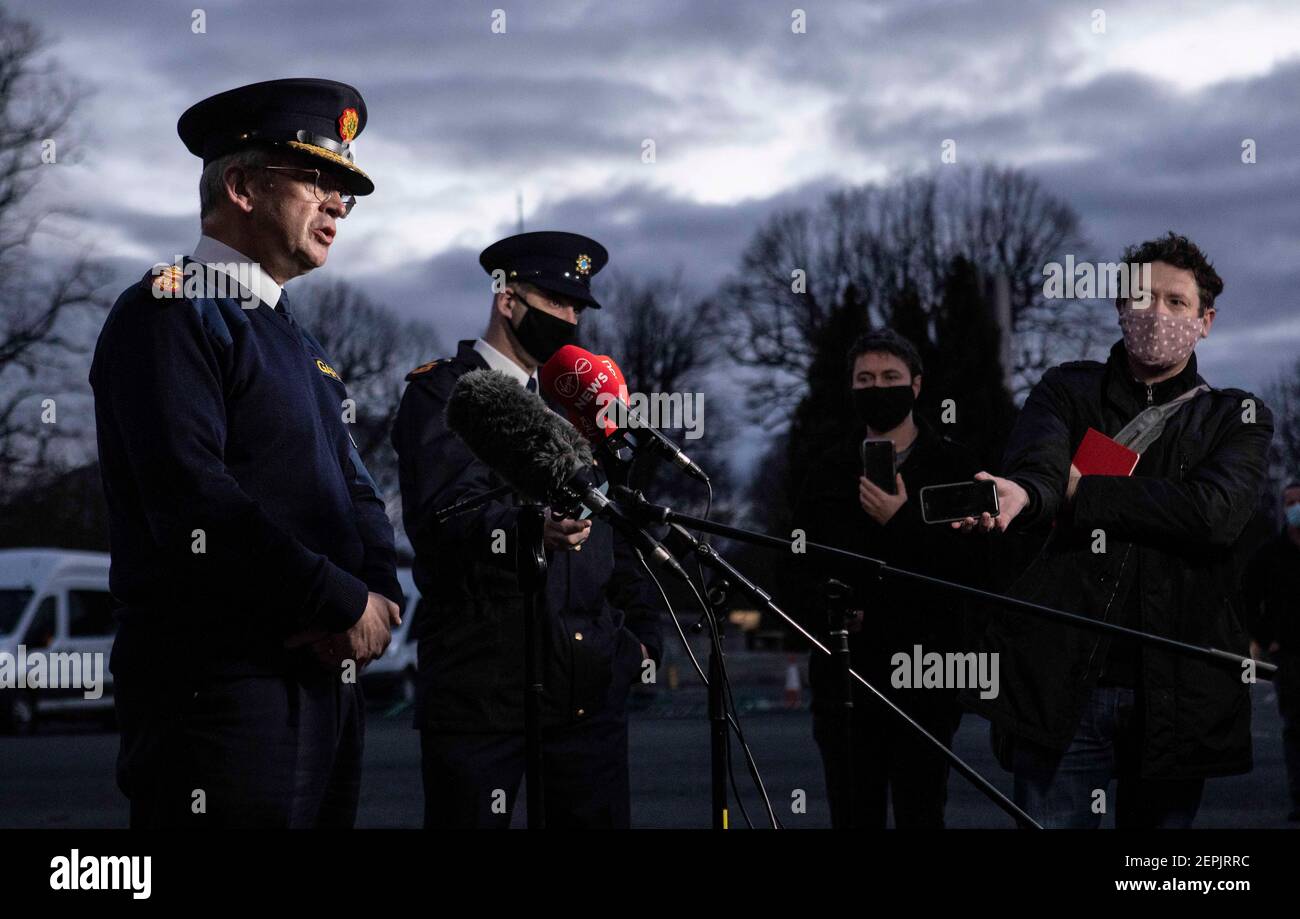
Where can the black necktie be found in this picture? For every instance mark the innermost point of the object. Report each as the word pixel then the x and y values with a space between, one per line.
pixel 283 308
pixel 532 384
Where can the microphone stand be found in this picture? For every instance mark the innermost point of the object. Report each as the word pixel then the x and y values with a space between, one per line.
pixel 719 735
pixel 657 513
pixel 618 458
pixel 530 570
pixel 709 556
pixel 837 618
pixel 442 515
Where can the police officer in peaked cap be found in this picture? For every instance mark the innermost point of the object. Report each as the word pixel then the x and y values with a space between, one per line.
pixel 602 614
pixel 252 560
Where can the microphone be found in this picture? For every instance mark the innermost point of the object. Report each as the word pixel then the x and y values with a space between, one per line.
pixel 593 392
pixel 512 431
pixel 537 452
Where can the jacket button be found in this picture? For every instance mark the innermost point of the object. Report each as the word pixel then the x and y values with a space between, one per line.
pixel 577 636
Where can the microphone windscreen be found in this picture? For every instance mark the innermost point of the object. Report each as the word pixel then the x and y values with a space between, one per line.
pixel 512 431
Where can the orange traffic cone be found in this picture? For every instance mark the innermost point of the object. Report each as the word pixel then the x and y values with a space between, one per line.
pixel 793 683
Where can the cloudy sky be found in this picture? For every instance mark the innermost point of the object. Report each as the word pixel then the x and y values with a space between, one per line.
pixel 1139 127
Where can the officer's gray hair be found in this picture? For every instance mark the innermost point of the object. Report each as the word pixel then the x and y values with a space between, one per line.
pixel 212 184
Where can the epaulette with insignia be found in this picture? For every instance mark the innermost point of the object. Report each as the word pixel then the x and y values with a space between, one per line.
pixel 425 368
pixel 169 281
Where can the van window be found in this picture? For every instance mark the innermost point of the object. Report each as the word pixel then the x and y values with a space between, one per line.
pixel 40 634
pixel 13 602
pixel 90 614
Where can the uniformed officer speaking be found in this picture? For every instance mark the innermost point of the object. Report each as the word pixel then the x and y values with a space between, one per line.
pixel 252 559
pixel 602 614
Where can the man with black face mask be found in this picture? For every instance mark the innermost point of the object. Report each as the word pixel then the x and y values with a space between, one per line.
pixel 602 615
pixel 839 505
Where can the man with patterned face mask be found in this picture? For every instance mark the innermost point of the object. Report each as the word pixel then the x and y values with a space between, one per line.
pixel 1158 550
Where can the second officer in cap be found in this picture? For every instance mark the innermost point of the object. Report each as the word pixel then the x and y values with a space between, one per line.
pixel 602 614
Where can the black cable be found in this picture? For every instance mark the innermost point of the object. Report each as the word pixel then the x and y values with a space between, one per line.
pixel 729 702
pixel 731 720
pixel 694 662
pixel 733 715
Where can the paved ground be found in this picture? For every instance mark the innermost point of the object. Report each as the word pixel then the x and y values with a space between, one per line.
pixel 63 777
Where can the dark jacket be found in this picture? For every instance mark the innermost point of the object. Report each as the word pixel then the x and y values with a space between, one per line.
pixel 598 605
pixel 898 614
pixel 220 427
pixel 1171 533
pixel 1271 591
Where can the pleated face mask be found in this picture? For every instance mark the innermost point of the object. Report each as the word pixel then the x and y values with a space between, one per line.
pixel 1158 339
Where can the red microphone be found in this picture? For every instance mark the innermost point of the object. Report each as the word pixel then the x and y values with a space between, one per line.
pixel 588 386
pixel 575 378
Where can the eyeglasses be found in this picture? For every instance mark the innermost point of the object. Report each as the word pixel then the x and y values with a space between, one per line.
pixel 322 194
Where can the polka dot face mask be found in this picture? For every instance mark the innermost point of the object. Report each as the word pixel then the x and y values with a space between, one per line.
pixel 1158 339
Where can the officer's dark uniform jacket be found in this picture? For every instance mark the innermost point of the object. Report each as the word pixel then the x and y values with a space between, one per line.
pixel 1171 535
pixel 221 428
pixel 598 604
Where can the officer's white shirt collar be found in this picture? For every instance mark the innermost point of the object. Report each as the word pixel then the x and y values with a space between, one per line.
pixel 238 267
pixel 498 361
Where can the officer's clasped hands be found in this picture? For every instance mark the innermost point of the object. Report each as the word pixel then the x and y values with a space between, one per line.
pixel 364 642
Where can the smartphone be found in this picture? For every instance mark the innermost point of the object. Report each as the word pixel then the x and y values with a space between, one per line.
pixel 880 462
pixel 945 503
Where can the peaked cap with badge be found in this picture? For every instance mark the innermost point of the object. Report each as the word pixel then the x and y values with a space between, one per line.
pixel 318 118
pixel 559 263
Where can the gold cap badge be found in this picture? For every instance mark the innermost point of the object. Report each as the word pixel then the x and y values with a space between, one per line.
pixel 348 123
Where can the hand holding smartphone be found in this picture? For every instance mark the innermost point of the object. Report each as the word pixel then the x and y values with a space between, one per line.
pixel 946 503
pixel 880 463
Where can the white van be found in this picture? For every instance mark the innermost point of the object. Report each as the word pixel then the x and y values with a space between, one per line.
pixel 57 600
pixel 54 601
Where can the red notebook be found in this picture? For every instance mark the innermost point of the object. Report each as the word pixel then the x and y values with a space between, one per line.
pixel 1099 455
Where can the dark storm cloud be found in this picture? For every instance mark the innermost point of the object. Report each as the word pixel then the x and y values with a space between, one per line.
pixel 648 232
pixel 573 87
pixel 1136 158
pixel 469 120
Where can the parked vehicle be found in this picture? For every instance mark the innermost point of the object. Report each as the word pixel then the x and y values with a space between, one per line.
pixel 54 601
pixel 57 601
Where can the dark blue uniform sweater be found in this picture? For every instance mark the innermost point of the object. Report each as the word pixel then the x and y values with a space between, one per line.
pixel 239 509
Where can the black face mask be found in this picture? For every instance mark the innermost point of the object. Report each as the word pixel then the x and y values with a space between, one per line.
pixel 542 334
pixel 883 408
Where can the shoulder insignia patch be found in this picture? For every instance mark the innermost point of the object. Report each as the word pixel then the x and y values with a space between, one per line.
pixel 425 368
pixel 168 282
